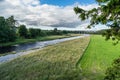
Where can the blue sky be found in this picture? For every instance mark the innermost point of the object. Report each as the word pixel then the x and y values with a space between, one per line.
pixel 66 2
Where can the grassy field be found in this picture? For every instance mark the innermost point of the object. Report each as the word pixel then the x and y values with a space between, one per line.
pixel 98 57
pixel 57 62
pixel 45 38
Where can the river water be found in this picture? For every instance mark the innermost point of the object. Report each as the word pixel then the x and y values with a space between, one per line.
pixel 28 47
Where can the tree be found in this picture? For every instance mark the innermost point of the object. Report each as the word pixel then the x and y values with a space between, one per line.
pixel 23 31
pixel 38 32
pixel 64 32
pixel 33 33
pixel 43 33
pixel 108 13
pixel 11 21
pixel 55 31
pixel 7 33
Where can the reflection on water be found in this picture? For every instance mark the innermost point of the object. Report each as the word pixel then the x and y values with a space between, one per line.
pixel 18 48
pixel 7 49
pixel 28 46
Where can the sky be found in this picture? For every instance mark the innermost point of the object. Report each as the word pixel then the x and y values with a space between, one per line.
pixel 66 2
pixel 48 14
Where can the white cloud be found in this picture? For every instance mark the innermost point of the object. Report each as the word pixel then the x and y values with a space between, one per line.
pixel 31 12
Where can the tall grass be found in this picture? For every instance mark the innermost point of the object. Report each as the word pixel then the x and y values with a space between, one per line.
pixel 57 62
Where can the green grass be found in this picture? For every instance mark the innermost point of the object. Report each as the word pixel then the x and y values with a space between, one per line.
pixel 45 38
pixel 56 62
pixel 98 57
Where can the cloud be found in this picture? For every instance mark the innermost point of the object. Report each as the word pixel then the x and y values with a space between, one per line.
pixel 31 12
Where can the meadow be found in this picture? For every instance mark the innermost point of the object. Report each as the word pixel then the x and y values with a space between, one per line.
pixel 80 59
pixel 56 62
pixel 98 57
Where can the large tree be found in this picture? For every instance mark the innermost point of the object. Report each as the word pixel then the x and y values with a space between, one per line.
pixel 11 21
pixel 108 13
pixel 7 30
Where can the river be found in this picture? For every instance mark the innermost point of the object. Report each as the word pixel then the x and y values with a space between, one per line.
pixel 27 48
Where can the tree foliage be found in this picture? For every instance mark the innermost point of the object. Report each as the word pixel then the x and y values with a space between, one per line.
pixel 11 21
pixel 108 13
pixel 113 73
pixel 23 31
pixel 7 29
pixel 57 32
pixel 33 33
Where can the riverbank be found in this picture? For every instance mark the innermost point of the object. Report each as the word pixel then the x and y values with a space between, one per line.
pixel 56 62
pixel 27 48
pixel 23 41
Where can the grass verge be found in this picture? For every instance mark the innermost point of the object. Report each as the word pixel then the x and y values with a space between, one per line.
pixel 98 57
pixel 21 41
pixel 57 62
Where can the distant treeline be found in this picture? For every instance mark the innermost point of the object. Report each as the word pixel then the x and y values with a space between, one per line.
pixel 33 33
pixel 92 32
pixel 9 32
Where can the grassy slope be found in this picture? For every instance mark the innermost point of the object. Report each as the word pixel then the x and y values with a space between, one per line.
pixel 57 62
pixel 21 41
pixel 99 55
